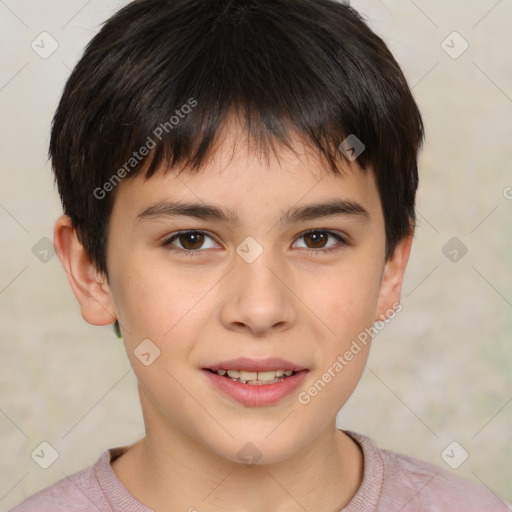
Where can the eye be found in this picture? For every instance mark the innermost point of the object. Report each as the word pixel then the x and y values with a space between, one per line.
pixel 318 238
pixel 190 242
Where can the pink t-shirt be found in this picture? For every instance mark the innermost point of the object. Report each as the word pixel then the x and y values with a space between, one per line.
pixel 391 483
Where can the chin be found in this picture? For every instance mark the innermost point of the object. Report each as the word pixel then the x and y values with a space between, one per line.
pixel 258 445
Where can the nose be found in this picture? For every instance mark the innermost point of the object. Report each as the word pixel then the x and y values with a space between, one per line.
pixel 257 297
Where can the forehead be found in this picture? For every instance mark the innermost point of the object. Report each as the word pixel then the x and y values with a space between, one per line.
pixel 240 178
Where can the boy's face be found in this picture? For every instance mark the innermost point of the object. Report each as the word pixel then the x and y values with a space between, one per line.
pixel 256 289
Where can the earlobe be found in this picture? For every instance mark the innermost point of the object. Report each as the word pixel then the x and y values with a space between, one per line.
pixel 89 286
pixel 391 284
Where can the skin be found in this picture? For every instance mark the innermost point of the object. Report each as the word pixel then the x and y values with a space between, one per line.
pixel 303 306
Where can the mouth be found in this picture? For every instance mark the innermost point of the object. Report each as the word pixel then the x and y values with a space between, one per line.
pixel 255 382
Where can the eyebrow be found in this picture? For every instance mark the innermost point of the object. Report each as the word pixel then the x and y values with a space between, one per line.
pixel 228 216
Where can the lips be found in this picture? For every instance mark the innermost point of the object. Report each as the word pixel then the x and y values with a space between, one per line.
pixel 255 365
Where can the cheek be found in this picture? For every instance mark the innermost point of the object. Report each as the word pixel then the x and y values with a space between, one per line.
pixel 159 301
pixel 345 300
pixel 346 307
pixel 161 312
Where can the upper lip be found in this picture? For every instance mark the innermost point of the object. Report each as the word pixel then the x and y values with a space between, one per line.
pixel 256 365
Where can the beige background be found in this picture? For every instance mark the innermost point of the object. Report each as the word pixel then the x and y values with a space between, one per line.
pixel 440 372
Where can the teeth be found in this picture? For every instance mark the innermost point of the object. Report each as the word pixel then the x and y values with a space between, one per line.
pixel 255 376
pixel 248 375
pixel 267 375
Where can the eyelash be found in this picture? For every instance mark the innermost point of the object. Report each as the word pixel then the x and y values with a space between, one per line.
pixel 191 253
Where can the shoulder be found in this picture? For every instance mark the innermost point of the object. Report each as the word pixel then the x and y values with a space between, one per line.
pixel 77 492
pixel 411 485
pixel 434 488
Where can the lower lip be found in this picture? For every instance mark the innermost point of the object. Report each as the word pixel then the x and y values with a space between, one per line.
pixel 254 395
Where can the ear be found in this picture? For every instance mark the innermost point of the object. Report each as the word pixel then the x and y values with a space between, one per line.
pixel 392 277
pixel 88 285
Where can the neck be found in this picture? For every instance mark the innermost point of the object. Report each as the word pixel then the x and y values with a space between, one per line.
pixel 168 470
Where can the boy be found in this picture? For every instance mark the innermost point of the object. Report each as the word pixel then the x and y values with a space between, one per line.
pixel 238 180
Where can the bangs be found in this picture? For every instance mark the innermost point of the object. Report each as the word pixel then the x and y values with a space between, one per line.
pixel 280 75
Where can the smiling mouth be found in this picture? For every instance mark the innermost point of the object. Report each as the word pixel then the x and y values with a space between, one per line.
pixel 254 378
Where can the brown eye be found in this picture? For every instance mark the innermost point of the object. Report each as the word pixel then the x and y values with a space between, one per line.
pixel 189 242
pixel 318 239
